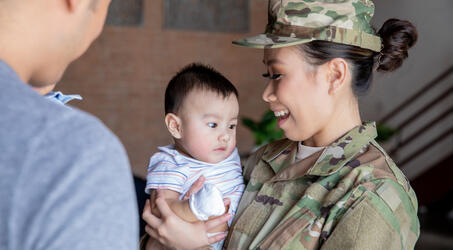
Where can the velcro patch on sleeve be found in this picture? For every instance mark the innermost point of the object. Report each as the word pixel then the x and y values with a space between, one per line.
pixel 389 195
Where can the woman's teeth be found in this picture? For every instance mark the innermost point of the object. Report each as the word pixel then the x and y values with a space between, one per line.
pixel 281 114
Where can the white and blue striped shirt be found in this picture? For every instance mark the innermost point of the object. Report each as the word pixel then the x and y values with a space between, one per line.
pixel 168 169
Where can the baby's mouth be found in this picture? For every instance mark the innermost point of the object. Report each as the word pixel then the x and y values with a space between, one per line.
pixel 282 115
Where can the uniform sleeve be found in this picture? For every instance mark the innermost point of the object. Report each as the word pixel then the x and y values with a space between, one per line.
pixel 383 219
pixel 165 173
pixel 76 192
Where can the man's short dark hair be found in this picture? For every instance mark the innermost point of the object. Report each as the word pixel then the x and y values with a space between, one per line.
pixel 195 76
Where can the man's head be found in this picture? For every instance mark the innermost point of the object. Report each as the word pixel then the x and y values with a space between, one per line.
pixel 201 108
pixel 41 37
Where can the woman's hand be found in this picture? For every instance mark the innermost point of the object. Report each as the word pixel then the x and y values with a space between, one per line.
pixel 174 232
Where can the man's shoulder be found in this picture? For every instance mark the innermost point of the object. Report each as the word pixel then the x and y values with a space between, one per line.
pixel 74 123
pixel 68 125
pixel 28 116
pixel 42 128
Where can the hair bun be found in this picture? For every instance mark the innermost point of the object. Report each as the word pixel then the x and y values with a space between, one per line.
pixel 397 37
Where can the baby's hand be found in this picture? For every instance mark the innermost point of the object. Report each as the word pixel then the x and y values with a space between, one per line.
pixel 207 202
pixel 196 186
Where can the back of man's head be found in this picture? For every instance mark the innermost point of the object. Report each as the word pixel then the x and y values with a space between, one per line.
pixel 41 37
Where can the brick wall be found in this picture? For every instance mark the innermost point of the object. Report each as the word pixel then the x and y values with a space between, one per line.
pixel 123 75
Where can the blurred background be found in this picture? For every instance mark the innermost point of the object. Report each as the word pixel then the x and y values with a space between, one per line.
pixel 123 76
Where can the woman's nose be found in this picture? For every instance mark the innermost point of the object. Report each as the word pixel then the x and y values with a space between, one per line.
pixel 268 94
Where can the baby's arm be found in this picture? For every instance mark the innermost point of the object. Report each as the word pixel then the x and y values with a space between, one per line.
pixel 180 207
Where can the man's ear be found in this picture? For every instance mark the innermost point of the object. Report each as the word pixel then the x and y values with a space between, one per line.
pixel 173 123
pixel 337 74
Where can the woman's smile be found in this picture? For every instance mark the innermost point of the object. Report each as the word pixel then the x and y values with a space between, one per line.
pixel 282 116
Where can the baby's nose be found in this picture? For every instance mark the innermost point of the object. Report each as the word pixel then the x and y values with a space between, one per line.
pixel 224 137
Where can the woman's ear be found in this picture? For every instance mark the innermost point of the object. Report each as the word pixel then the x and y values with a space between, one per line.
pixel 74 5
pixel 173 123
pixel 338 73
pixel 71 5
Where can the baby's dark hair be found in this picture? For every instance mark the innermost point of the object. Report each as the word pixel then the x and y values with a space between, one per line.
pixel 195 76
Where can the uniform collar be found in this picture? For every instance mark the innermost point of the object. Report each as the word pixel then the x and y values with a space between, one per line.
pixel 281 153
pixel 332 158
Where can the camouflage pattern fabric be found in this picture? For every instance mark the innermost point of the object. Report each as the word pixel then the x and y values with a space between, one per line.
pixel 349 196
pixel 292 22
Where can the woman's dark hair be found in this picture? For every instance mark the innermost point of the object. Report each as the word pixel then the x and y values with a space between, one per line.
pixel 195 76
pixel 397 37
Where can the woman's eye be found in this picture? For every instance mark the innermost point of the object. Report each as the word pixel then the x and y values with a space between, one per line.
pixel 212 124
pixel 232 126
pixel 275 76
pixel 272 77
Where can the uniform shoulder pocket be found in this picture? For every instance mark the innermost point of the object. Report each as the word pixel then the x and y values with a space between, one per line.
pixel 364 227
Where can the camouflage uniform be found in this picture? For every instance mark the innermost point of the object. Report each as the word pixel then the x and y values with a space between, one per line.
pixel 351 197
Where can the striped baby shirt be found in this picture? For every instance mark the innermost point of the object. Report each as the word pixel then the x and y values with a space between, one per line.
pixel 168 169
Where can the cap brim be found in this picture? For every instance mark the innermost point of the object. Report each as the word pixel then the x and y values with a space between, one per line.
pixel 263 41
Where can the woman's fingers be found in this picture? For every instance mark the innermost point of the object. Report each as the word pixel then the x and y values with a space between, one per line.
pixel 154 236
pixel 151 232
pixel 226 203
pixel 196 186
pixel 212 223
pixel 147 216
pixel 215 238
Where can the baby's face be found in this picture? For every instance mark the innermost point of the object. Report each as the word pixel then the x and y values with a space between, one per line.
pixel 208 125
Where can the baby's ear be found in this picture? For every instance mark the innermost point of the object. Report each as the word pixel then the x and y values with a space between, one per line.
pixel 173 123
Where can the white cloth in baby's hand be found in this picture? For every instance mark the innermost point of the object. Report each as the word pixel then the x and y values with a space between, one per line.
pixel 207 202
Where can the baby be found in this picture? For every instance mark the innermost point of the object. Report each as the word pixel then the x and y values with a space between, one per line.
pixel 201 113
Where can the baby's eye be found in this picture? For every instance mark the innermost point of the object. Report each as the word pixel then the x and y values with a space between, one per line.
pixel 212 124
pixel 232 126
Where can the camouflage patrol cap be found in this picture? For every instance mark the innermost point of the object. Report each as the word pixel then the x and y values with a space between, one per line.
pixel 292 22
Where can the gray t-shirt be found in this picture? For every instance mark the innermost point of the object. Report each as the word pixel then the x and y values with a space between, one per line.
pixel 65 180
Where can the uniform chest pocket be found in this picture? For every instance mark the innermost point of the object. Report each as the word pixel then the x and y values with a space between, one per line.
pixel 297 232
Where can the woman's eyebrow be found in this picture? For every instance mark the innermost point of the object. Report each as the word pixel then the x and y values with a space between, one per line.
pixel 273 61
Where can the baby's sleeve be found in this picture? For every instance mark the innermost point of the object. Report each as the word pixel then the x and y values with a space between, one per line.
pixel 165 173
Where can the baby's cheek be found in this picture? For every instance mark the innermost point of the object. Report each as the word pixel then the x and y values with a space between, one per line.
pixel 203 148
pixel 233 141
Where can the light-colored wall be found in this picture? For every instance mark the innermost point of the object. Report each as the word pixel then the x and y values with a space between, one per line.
pixel 431 56
pixel 123 75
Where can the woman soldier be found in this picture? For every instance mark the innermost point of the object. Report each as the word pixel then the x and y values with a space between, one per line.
pixel 329 185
